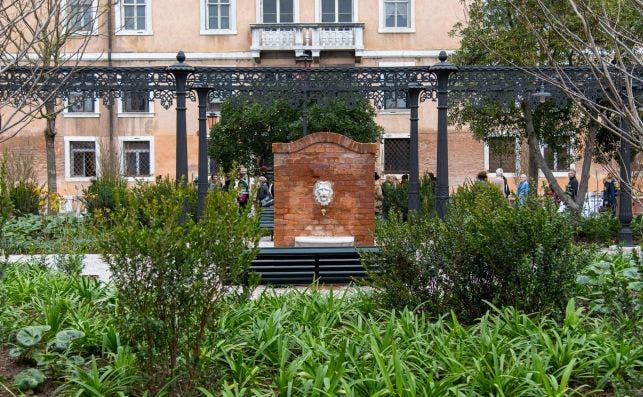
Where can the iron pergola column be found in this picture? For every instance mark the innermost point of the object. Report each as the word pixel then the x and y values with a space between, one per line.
pixel 202 184
pixel 625 205
pixel 414 148
pixel 442 70
pixel 181 71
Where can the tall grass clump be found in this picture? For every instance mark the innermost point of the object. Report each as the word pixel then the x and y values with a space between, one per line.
pixel 484 251
pixel 173 272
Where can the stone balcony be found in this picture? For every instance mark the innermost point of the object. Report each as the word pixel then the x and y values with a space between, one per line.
pixel 313 37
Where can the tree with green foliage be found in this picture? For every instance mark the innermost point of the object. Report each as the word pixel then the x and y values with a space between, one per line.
pixel 499 31
pixel 247 128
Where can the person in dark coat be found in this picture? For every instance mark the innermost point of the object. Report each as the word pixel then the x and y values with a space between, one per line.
pixel 609 193
pixel 572 186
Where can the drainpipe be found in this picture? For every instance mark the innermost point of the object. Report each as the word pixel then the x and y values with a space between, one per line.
pixel 110 107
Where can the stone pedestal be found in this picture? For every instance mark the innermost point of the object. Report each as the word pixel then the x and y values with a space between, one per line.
pixel 324 156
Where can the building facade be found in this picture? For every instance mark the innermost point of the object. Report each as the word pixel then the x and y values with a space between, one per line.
pixel 244 33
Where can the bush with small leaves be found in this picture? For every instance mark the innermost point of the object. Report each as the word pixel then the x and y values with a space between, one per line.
pixel 484 251
pixel 172 272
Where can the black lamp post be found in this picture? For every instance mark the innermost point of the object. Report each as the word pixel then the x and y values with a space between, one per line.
pixel 181 71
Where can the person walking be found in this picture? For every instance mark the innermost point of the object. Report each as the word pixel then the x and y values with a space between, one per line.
pixel 572 187
pixel 264 198
pixel 501 182
pixel 609 193
pixel 481 177
pixel 523 189
pixel 244 189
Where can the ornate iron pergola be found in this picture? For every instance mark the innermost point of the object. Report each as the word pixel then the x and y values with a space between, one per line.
pixel 442 82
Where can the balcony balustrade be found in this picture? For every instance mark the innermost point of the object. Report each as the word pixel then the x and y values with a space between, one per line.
pixel 313 37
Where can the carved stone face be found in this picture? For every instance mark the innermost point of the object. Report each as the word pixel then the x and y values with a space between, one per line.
pixel 323 192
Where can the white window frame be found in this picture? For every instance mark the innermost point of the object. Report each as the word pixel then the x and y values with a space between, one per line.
pixel 295 6
pixel 517 152
pixel 572 157
pixel 318 11
pixel 120 23
pixel 136 138
pixel 232 17
pixel 67 113
pixel 410 29
pixel 394 111
pixel 68 140
pixel 93 31
pixel 149 113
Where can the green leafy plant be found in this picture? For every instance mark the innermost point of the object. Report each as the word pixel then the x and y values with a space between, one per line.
pixel 171 271
pixel 485 250
pixel 599 228
pixel 28 379
pixel 26 198
pixel 613 286
pixel 104 195
pixel 396 197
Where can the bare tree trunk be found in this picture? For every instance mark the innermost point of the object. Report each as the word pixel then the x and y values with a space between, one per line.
pixel 533 168
pixel 540 161
pixel 587 163
pixel 50 136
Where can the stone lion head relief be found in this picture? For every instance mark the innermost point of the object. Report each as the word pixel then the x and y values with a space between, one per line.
pixel 323 193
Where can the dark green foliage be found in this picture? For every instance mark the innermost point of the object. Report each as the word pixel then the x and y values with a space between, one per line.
pixel 104 194
pixel 171 272
pixel 29 379
pixel 612 286
pixel 53 234
pixel 601 228
pixel 395 197
pixel 485 250
pixel 25 196
pixel 637 228
pixel 247 129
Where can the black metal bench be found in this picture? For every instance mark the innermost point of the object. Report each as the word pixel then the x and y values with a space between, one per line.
pixel 303 265
pixel 267 220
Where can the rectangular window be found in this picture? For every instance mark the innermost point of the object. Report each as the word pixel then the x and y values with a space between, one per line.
pixel 82 159
pixel 136 159
pixel 396 100
pixel 396 13
pixel 77 103
pixel 396 155
pixel 136 102
pixel 81 16
pixel 278 11
pixel 218 14
pixel 558 156
pixel 336 11
pixel 502 154
pixel 134 15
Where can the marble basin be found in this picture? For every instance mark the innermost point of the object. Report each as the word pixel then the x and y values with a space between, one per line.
pixel 324 241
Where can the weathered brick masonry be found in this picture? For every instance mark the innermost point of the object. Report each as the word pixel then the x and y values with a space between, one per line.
pixel 327 156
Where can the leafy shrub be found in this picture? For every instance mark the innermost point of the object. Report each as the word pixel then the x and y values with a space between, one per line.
pixel 602 227
pixel 485 250
pixel 28 379
pixel 637 228
pixel 104 194
pixel 171 272
pixel 26 198
pixel 39 234
pixel 395 197
pixel 613 286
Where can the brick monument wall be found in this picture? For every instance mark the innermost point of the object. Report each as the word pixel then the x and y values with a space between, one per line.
pixel 325 156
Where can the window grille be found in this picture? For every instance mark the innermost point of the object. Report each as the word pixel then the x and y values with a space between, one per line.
pixel 502 154
pixel 83 158
pixel 396 155
pixel 558 156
